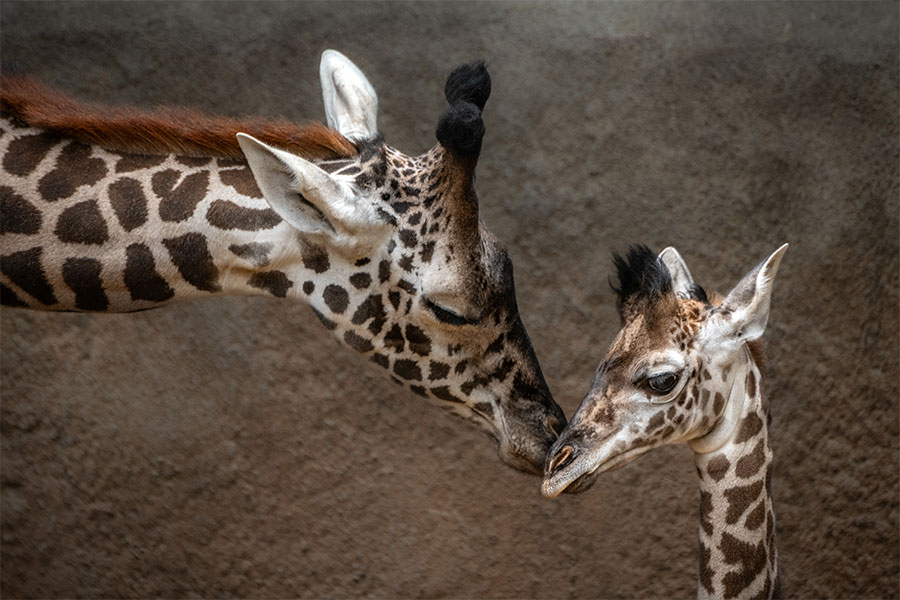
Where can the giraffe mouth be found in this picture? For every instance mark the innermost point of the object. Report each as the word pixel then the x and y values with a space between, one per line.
pixel 576 474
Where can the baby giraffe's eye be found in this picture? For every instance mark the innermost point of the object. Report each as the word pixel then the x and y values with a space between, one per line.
pixel 662 383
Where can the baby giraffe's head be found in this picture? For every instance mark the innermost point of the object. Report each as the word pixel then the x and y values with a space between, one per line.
pixel 668 376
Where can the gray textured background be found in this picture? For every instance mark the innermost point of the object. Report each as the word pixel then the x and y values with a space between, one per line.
pixel 231 448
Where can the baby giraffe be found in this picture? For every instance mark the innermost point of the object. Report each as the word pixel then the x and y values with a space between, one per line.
pixel 686 368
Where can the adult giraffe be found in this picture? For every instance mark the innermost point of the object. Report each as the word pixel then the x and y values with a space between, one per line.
pixel 684 369
pixel 114 209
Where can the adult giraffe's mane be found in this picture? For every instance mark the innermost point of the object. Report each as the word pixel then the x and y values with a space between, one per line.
pixel 165 130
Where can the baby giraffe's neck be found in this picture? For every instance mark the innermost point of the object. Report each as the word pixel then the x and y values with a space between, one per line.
pixel 738 558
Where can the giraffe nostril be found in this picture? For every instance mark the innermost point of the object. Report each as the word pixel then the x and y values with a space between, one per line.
pixel 562 458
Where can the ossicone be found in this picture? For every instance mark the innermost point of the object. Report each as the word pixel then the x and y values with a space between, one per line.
pixel 641 274
pixel 460 128
pixel 469 83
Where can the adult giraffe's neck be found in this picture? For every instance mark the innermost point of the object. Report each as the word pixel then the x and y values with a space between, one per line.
pixel 737 554
pixel 85 228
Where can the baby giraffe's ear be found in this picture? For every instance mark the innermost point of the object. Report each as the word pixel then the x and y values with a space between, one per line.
pixel 745 311
pixel 682 282
pixel 351 105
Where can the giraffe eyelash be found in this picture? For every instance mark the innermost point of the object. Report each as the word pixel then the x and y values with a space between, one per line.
pixel 446 316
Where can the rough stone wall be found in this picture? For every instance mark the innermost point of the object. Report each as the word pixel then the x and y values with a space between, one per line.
pixel 209 450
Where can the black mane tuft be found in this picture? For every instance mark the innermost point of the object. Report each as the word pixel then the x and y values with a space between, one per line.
pixel 469 83
pixel 641 275
pixel 698 293
pixel 461 129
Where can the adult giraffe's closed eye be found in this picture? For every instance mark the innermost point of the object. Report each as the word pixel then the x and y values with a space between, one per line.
pixel 687 369
pixel 121 210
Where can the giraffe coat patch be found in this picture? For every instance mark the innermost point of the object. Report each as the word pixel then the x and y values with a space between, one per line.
pixel 82 275
pixel 179 197
pixel 141 278
pixel 225 214
pixel 74 168
pixel 274 282
pixel 17 215
pixel 128 202
pixel 242 181
pixel 26 271
pixel 191 256
pixel 82 223
pixel 136 162
pixel 25 153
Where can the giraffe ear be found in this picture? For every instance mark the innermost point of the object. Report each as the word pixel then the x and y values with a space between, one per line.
pixel 745 311
pixel 308 198
pixel 351 105
pixel 682 282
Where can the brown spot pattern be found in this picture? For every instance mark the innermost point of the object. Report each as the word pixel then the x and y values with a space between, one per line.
pixel 718 403
pixel 706 507
pixel 394 339
pixel 17 215
pixel 26 271
pixel 756 517
pixel 178 197
pixel 255 252
pixel 371 308
pixel 128 202
pixel 408 369
pixel 274 282
pixel 751 560
pixel 225 214
pixel 706 573
pixel 315 258
pixel 336 298
pixel 242 181
pixel 751 384
pixel 9 298
pixel 442 392
pixel 74 168
pixel 718 467
pixel 24 154
pixel 438 370
pixel 141 278
pixel 82 223
pixel 193 161
pixel 191 256
pixel 136 162
pixel 750 464
pixel 82 275
pixel 739 499
pixel 655 422
pixel 361 280
pixel 750 426
pixel 418 341
pixel 357 342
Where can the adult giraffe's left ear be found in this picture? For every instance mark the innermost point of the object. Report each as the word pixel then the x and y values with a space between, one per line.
pixel 311 200
pixel 745 311
pixel 351 105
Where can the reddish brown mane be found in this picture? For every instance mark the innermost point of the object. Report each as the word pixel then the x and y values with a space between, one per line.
pixel 165 130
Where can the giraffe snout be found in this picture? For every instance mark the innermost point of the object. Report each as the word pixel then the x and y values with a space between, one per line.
pixel 567 469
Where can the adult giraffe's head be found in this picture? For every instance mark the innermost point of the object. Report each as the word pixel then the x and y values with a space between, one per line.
pixel 677 371
pixel 397 264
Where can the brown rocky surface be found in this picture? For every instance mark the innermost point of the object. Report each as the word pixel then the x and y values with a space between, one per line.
pixel 231 448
